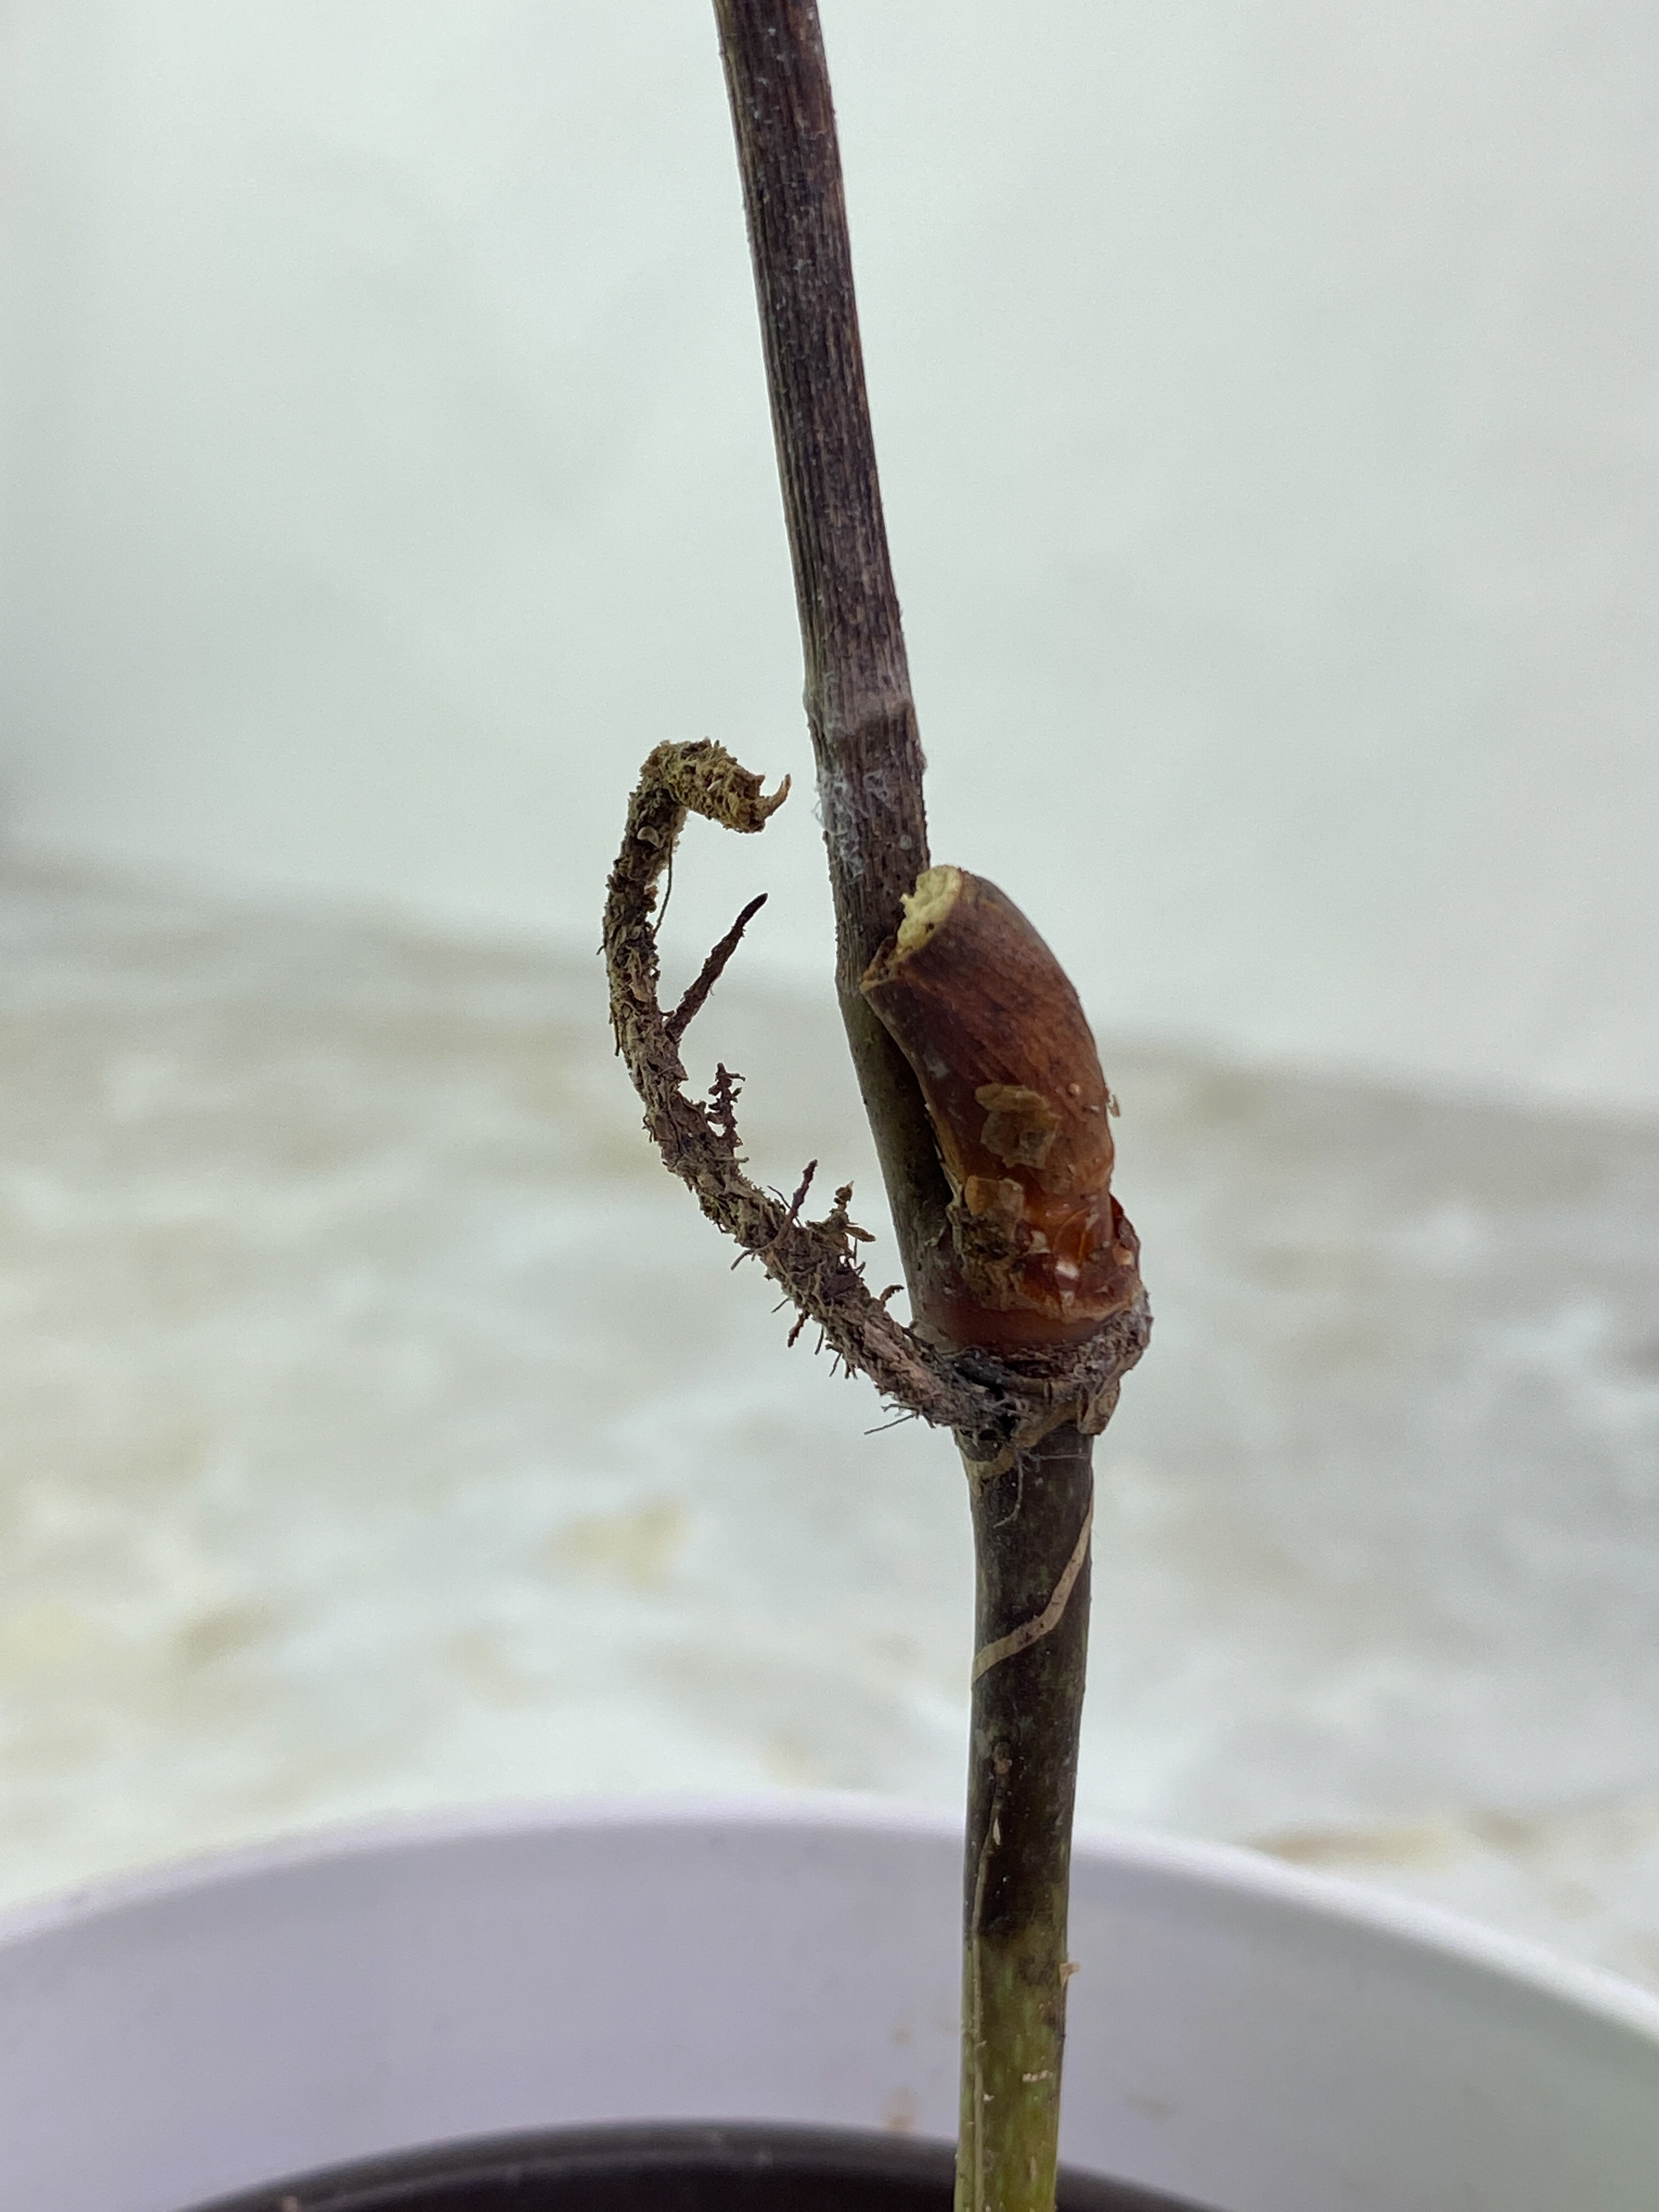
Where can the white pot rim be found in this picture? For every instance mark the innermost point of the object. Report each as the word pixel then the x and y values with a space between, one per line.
pixel 1193 1863
pixel 1245 2032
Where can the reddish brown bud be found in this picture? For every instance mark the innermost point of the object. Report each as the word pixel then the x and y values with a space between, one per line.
pixel 1040 1252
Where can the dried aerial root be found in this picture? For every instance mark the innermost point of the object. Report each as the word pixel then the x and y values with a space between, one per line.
pixel 996 1407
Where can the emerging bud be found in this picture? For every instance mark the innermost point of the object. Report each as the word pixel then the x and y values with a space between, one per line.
pixel 1040 1252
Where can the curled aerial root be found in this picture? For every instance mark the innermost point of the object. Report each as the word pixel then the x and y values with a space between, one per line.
pixel 1002 1395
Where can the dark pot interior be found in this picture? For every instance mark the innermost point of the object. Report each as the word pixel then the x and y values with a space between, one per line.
pixel 664 2168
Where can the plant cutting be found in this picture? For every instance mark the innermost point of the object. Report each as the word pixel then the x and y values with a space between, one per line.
pixel 617 2010
pixel 985 1095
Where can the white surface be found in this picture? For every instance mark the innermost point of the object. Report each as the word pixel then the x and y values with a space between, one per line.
pixel 1265 403
pixel 1262 2040
pixel 380 1427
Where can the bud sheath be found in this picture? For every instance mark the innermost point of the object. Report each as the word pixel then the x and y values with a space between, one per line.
pixel 1036 1251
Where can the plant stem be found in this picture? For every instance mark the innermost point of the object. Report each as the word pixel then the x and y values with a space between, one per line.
pixel 858 707
pixel 1031 1627
pixel 1029 1517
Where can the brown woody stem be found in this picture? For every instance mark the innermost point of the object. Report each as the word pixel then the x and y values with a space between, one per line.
pixel 858 707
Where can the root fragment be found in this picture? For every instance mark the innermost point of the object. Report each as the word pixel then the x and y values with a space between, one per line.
pixel 997 1408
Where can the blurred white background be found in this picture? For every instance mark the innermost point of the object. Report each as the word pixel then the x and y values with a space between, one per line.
pixel 1267 405
pixel 1267 408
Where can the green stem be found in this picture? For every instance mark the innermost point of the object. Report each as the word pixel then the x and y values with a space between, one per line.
pixel 1031 1545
